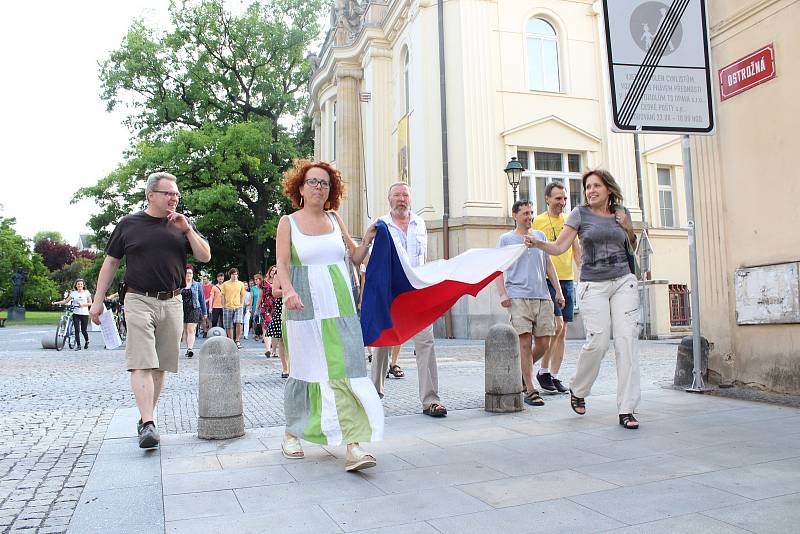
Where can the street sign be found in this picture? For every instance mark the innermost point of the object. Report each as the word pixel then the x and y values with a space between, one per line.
pixel 747 72
pixel 658 66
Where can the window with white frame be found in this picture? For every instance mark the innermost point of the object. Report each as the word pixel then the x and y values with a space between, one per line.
pixel 666 198
pixel 406 82
pixel 542 50
pixel 543 167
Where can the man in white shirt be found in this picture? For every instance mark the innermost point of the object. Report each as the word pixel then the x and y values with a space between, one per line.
pixel 409 233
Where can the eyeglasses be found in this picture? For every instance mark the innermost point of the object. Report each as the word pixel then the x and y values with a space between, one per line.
pixel 313 182
pixel 168 193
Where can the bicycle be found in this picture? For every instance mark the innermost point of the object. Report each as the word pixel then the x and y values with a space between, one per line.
pixel 118 309
pixel 65 331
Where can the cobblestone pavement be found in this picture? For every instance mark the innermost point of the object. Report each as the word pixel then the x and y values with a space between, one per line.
pixel 57 407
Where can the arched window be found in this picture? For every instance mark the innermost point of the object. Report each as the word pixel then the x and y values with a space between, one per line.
pixel 542 42
pixel 406 82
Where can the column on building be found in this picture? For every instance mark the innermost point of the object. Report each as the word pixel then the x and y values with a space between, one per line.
pixel 349 159
pixel 317 123
pixel 621 163
pixel 713 255
pixel 476 174
pixel 378 153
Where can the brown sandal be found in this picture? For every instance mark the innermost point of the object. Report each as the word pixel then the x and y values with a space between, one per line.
pixel 578 404
pixel 396 372
pixel 435 410
pixel 533 399
pixel 627 420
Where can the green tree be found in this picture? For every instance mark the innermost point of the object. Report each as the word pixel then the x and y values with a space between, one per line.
pixel 15 253
pixel 88 269
pixel 214 100
pixel 53 236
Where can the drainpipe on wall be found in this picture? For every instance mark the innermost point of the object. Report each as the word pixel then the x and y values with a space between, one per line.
pixel 448 318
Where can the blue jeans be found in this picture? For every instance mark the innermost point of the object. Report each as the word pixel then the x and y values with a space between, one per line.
pixel 568 289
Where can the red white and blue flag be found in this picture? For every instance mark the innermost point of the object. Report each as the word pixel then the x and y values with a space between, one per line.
pixel 399 301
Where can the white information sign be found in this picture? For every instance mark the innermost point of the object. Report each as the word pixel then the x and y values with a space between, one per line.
pixel 768 294
pixel 658 65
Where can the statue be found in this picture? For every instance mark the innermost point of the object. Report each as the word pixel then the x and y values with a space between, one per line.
pixel 18 282
pixel 349 14
pixel 313 60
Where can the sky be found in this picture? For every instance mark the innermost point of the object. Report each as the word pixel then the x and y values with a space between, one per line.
pixel 57 135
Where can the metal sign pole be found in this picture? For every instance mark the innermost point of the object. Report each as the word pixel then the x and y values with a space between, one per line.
pixel 698 386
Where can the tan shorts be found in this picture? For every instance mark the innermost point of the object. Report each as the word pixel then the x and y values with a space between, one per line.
pixel 533 316
pixel 154 332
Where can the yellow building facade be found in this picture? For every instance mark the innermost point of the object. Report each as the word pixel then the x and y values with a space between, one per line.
pixel 746 192
pixel 520 79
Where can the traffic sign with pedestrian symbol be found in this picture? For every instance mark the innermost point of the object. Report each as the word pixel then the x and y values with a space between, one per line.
pixel 658 66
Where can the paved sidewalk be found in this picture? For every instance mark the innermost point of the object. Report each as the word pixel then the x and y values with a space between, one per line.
pixel 698 464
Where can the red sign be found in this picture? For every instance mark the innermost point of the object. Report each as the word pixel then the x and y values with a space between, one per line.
pixel 747 72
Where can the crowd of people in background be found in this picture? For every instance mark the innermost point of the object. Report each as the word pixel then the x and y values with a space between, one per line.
pixel 245 309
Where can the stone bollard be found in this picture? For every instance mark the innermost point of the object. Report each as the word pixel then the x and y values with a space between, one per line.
pixel 217 331
pixel 219 397
pixel 685 362
pixel 503 372
pixel 48 341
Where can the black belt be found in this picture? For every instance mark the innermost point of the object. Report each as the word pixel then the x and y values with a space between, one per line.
pixel 160 295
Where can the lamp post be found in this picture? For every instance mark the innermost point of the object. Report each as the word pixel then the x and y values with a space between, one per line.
pixel 514 170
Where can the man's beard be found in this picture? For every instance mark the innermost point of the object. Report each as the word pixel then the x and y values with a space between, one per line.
pixel 402 213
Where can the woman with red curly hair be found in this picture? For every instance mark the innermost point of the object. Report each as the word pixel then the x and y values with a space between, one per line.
pixel 329 399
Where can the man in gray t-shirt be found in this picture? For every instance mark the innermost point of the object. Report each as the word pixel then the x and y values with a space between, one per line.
pixel 523 289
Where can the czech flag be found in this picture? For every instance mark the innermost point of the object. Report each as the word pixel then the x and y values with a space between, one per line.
pixel 400 301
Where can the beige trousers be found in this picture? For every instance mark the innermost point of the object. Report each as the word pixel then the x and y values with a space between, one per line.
pixel 610 308
pixel 426 367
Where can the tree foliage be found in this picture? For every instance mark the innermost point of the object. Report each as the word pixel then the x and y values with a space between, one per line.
pixel 15 254
pixel 214 100
pixel 51 235
pixel 86 268
pixel 57 255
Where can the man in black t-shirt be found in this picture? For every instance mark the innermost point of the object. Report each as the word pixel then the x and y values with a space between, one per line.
pixel 155 242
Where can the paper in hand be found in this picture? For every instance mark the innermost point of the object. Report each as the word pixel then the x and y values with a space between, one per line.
pixel 109 329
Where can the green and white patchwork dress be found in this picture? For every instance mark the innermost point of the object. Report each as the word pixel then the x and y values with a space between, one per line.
pixel 329 399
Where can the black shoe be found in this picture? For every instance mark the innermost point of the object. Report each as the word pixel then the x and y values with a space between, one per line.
pixel 268 354
pixel 78 346
pixel 139 426
pixel 546 381
pixel 148 436
pixel 189 353
pixel 205 335
pixel 86 345
pixel 559 386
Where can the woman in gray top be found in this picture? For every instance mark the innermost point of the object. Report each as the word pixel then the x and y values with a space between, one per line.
pixel 608 291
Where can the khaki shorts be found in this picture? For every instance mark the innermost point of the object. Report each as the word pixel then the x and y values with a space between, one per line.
pixel 154 332
pixel 533 316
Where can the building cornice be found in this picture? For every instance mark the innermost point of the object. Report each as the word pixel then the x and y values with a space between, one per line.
pixel 373 40
pixel 661 147
pixel 548 118
pixel 723 29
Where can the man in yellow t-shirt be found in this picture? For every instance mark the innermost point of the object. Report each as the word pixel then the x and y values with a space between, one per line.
pixel 232 302
pixel 551 222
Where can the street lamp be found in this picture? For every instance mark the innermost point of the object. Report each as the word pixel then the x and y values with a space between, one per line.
pixel 514 170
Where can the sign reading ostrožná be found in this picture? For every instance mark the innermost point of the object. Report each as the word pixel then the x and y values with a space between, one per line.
pixel 659 69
